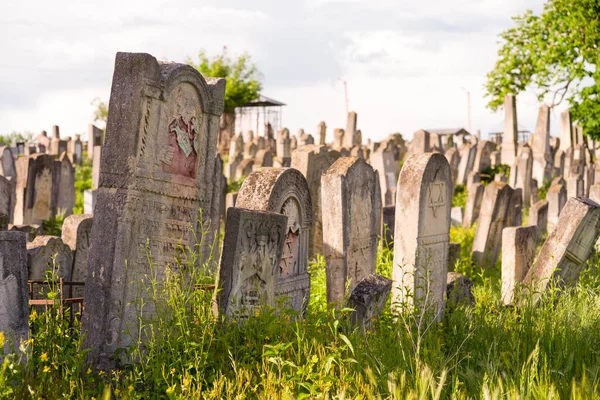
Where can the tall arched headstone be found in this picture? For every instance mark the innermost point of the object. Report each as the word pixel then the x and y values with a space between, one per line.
pixel 423 204
pixel 351 217
pixel 285 191
pixel 156 175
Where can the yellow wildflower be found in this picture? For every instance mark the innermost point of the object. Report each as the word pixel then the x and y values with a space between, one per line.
pixel 46 369
pixel 44 357
pixel 172 371
pixel 130 388
pixel 89 371
pixel 1 339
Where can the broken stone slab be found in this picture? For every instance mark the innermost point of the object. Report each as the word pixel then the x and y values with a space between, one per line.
pixel 368 300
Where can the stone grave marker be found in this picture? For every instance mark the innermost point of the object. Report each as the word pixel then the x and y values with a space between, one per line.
pixel 9 169
pixel 511 136
pixel 538 217
pixel 557 198
pixel 368 299
pixel 95 135
pixel 424 199
pixel 40 253
pixel 76 233
pixel 285 191
pixel 473 207
pixel 518 253
pixel 156 174
pixel 351 216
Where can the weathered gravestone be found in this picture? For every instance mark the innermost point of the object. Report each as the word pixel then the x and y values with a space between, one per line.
pixel 64 191
pixel 350 137
pixel 48 254
pixel 567 248
pixel 94 139
pixel 542 156
pixel 575 186
pixel 248 271
pixel 384 163
pixel 520 172
pixel 76 233
pixel 36 178
pixel 557 198
pixel 14 309
pixel 424 199
pixel 482 156
pixel 7 197
pixel 518 252
pixel 322 133
pixel 156 174
pixel 388 224
pixel 467 159
pixel 511 136
pixel 538 217
pixel 368 299
pixel 285 191
pixel 96 162
pixel 313 161
pixel 493 217
pixel 473 207
pixel 7 162
pixel 566 131
pixel 351 216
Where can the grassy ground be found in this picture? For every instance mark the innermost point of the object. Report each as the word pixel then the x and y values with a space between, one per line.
pixel 549 350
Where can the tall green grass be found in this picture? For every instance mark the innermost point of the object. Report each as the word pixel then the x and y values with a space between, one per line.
pixel 541 351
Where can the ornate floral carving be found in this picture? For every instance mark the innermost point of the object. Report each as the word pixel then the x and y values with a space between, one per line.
pixel 182 151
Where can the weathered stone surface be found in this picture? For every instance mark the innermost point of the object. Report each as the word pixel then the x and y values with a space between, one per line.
pixel 156 174
pixel 542 155
pixel 244 168
pixel 263 158
pixel 96 163
pixel 31 231
pixel 482 156
pixel 7 162
pixel 313 161
pixel 510 137
pixel 515 209
pixel 538 217
pixel 76 233
pixel 351 216
pixel 574 186
pixel 230 199
pixel 465 166
pixel 89 201
pixel 285 191
pixel 7 198
pixel 65 187
pixel 34 202
pixel 473 207
pixel 520 173
pixel 95 138
pixel 566 130
pixel 459 290
pixel 453 157
pixel 40 253
pixel 384 163
pixel 420 143
pixel 350 137
pixel 322 133
pixel 567 248
pixel 456 216
pixel 368 299
pixel 424 200
pixel 518 252
pixel 559 163
pixel 493 217
pixel 557 198
pixel 250 260
pixel 14 308
pixel 388 224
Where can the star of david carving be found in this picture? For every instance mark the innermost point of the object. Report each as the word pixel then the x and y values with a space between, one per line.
pixel 436 198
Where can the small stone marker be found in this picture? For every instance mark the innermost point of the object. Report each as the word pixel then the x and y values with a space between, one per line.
pixel 518 253
pixel 566 250
pixel 14 305
pixel 351 216
pixel 459 290
pixel 538 217
pixel 76 233
pixel 368 299
pixel 557 198
pixel 424 200
pixel 248 270
pixel 475 196
pixel 493 217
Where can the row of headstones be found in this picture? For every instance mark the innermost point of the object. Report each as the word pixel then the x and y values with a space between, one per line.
pixel 56 146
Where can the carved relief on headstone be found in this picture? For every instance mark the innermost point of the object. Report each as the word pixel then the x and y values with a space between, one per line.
pixel 423 205
pixel 351 216
pixel 285 191
pixel 250 260
pixel 14 309
pixel 156 175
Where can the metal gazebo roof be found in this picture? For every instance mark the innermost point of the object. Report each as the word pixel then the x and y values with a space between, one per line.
pixel 264 101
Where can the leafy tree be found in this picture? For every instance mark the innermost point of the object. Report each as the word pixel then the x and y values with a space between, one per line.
pixel 101 112
pixel 243 78
pixel 555 54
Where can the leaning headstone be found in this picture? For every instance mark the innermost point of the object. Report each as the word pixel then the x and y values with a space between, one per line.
pixel 473 207
pixel 76 232
pixel 420 143
pixel 566 250
pixel 156 175
pixel 515 209
pixel 247 276
pixel 36 189
pixel 368 299
pixel 424 200
pixel 538 217
pixel 313 161
pixel 493 217
pixel 285 191
pixel 351 216
pixel 14 304
pixel 48 254
pixel 518 252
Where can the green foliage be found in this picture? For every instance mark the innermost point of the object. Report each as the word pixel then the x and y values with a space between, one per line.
pixel 53 225
pixel 14 136
pixel 555 53
pixel 83 182
pixel 243 78
pixel 543 190
pixel 459 199
pixel 101 112
pixel 234 186
pixel 490 351
pixel 489 174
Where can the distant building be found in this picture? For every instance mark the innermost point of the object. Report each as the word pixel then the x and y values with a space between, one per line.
pixel 259 114
pixel 523 135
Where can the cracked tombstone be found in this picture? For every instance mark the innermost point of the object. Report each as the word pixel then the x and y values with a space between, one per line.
pixel 247 276
pixel 421 237
pixel 285 191
pixel 351 218
pixel 155 189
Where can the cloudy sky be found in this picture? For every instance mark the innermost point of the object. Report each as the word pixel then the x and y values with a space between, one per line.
pixel 407 63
